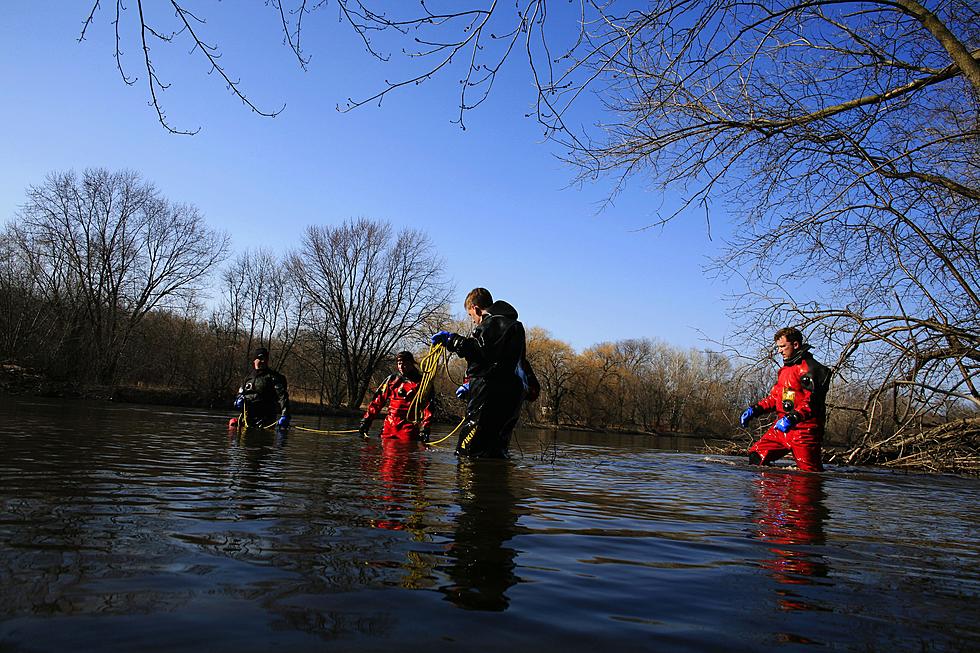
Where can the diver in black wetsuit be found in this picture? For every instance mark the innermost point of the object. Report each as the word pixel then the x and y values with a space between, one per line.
pixel 263 396
pixel 494 355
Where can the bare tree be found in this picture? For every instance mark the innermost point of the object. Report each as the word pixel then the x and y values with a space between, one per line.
pixel 375 290
pixel 553 362
pixel 843 137
pixel 264 301
pixel 109 249
pixel 30 328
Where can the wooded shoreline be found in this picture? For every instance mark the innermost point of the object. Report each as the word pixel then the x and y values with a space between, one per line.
pixel 928 452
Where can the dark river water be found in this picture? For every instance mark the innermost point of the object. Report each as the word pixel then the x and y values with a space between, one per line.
pixel 126 528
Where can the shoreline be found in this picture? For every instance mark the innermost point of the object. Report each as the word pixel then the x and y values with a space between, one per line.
pixel 20 381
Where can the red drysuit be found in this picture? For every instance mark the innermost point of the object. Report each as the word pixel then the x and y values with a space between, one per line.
pixel 801 392
pixel 398 391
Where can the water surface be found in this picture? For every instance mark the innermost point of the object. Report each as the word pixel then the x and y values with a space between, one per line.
pixel 126 527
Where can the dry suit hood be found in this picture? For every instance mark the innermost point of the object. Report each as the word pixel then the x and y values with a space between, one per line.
pixel 503 309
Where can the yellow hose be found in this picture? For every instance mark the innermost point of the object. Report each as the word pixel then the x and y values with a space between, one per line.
pixel 303 428
pixel 428 365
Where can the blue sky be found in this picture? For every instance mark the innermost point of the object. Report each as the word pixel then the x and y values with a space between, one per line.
pixel 496 201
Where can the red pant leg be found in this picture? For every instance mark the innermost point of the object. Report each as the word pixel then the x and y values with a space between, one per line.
pixel 770 447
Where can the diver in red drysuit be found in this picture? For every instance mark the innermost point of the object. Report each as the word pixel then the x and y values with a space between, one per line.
pixel 398 391
pixel 799 401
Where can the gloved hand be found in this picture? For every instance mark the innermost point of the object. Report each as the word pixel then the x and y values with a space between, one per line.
pixel 749 413
pixel 240 402
pixel 787 421
pixel 442 338
pixel 424 434
pixel 463 390
pixel 364 427
pixel 284 422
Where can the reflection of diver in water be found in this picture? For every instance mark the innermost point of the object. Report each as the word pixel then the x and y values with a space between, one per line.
pixel 482 566
pixel 400 503
pixel 402 475
pixel 256 449
pixel 791 519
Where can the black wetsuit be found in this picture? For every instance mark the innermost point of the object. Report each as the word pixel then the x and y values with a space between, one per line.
pixel 492 354
pixel 266 397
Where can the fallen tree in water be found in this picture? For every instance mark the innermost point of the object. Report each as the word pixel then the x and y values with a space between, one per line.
pixel 952 447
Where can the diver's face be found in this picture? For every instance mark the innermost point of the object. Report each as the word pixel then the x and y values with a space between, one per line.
pixel 786 348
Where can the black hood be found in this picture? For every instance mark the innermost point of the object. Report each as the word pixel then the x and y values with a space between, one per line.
pixel 503 309
pixel 804 352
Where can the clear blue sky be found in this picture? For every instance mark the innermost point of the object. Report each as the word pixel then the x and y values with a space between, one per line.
pixel 495 200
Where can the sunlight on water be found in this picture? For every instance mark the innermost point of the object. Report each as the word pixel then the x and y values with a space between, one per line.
pixel 126 527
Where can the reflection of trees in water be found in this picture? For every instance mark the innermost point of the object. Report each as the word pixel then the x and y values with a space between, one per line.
pixel 482 567
pixel 71 577
pixel 75 526
pixel 341 532
pixel 791 519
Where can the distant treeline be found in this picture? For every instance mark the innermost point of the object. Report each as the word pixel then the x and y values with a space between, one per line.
pixel 105 282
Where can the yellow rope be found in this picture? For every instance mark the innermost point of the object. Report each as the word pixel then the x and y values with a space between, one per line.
pixel 303 428
pixel 451 433
pixel 243 422
pixel 428 365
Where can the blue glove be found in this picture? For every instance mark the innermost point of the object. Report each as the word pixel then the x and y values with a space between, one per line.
pixel 284 422
pixel 787 422
pixel 747 415
pixel 441 338
pixel 239 401
pixel 463 390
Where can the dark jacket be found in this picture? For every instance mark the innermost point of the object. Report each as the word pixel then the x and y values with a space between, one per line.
pixel 496 347
pixel 266 397
pixel 492 354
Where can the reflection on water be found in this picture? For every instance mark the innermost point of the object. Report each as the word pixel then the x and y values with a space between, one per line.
pixel 791 518
pixel 125 528
pixel 482 564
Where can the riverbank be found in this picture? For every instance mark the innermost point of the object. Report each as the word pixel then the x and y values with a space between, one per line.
pixel 16 380
pixel 952 448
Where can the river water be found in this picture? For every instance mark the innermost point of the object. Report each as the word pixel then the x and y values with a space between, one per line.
pixel 132 528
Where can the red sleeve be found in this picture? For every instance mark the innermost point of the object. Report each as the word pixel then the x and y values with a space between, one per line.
pixel 380 398
pixel 773 399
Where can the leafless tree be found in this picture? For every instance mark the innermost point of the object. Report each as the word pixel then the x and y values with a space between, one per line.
pixel 843 137
pixel 109 249
pixel 553 363
pixel 318 356
pixel 265 302
pixel 375 291
pixel 30 329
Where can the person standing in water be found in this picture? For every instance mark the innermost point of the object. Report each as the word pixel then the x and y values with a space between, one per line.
pixel 799 401
pixel 263 396
pixel 399 391
pixel 496 384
